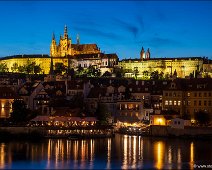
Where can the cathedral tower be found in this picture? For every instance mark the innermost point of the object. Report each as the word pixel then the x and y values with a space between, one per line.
pixel 53 47
pixel 142 54
pixel 147 57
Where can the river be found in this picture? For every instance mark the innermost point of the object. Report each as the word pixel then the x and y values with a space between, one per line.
pixel 120 152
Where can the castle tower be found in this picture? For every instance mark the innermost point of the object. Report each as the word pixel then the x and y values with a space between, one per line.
pixel 147 54
pixel 78 39
pixel 142 54
pixel 65 32
pixel 53 47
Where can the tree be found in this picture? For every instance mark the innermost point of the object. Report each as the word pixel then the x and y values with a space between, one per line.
pixel 37 69
pixel 107 74
pixel 59 68
pixel 19 112
pixel 167 76
pixel 136 72
pixel 3 67
pixel 127 93
pixel 160 75
pixel 80 70
pixel 21 69
pixel 119 72
pixel 202 117
pixel 191 75
pixel 102 114
pixel 175 73
pixel 14 68
pixel 29 67
pixel 71 72
pixel 145 73
pixel 154 75
pixel 93 72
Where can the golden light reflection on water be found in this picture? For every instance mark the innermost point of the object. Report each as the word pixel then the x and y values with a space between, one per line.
pixel 2 156
pixel 159 154
pixel 125 147
pixel 132 152
pixel 92 145
pixel 109 153
pixel 129 152
pixel 192 155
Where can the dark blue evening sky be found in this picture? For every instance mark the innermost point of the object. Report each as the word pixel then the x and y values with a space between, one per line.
pixel 168 28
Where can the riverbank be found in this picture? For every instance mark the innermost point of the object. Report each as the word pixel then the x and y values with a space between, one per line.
pixel 102 132
pixel 55 132
pixel 186 132
pixel 168 132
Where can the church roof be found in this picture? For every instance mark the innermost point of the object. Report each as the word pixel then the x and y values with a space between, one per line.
pixel 84 47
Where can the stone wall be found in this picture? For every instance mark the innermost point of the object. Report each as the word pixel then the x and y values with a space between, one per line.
pixel 157 130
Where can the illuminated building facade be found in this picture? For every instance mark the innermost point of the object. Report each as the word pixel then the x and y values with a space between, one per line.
pixel 84 55
pixel 188 96
pixel 144 66
pixel 67 48
pixel 71 55
pixel 7 96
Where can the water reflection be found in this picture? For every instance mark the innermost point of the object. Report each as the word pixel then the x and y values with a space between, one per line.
pixel 192 155
pixel 120 152
pixel 159 154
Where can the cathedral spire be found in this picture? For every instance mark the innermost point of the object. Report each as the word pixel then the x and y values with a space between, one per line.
pixel 78 39
pixel 53 36
pixel 65 32
pixel 142 54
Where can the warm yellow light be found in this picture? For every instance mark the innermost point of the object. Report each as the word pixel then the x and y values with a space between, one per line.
pixel 160 121
pixel 192 121
pixel 192 155
pixel 159 154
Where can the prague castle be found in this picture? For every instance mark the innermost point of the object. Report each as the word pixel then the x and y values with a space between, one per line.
pixel 67 48
pixel 71 55
pixel 182 67
pixel 85 55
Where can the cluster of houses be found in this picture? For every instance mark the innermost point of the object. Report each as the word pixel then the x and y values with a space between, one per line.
pixel 126 100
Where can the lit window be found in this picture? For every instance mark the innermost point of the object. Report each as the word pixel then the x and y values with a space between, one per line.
pixel 170 102
pixel 175 103
pixel 166 102
pixel 125 106
pixel 188 94
pixel 179 103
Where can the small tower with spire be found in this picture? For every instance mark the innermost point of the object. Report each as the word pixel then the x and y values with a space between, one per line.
pixel 65 32
pixel 53 47
pixel 147 54
pixel 78 39
pixel 142 54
